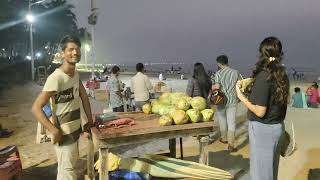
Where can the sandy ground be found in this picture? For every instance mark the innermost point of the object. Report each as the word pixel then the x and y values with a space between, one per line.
pixel 39 160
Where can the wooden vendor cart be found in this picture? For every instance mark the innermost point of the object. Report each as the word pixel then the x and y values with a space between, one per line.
pixel 146 129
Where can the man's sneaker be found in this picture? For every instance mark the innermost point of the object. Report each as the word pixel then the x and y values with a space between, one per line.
pixel 4 133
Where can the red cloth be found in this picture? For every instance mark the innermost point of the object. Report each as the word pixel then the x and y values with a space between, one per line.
pixel 119 123
pixel 93 84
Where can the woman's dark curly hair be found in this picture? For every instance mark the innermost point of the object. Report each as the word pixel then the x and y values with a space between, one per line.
pixel 270 61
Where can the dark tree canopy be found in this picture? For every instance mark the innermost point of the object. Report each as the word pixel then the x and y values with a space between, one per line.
pixel 54 19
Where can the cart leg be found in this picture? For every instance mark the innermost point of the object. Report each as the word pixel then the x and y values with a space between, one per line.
pixel 103 156
pixel 181 149
pixel 90 160
pixel 203 145
pixel 172 147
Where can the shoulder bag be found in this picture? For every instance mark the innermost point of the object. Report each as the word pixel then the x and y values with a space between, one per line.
pixel 289 145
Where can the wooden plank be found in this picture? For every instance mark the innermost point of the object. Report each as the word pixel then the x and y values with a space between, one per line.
pixel 141 138
pixel 145 124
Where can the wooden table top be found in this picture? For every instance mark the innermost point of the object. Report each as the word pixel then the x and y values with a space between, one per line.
pixel 146 124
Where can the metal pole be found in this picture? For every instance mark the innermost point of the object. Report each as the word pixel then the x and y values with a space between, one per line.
pixel 92 36
pixel 93 50
pixel 93 5
pixel 85 49
pixel 93 9
pixel 32 54
pixel 31 45
pixel 85 58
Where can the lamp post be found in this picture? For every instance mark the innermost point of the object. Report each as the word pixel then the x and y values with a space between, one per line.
pixel 92 20
pixel 86 49
pixel 30 18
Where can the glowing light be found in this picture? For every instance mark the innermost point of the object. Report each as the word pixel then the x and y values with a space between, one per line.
pixel 87 47
pixel 38 54
pixel 30 18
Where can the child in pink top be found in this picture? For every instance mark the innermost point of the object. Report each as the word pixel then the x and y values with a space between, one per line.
pixel 313 95
pixel 318 95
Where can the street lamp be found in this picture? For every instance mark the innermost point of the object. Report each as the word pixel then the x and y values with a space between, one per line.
pixel 86 49
pixel 30 18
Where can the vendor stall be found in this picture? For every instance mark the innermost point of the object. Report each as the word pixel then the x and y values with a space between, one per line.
pixel 146 128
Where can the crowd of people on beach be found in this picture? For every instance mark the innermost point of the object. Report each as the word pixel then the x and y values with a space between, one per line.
pixel 308 99
pixel 266 99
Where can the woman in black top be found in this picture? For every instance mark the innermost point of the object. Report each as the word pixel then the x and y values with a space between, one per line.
pixel 267 104
pixel 200 84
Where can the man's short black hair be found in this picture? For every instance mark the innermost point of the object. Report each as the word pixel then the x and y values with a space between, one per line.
pixel 115 69
pixel 296 89
pixel 69 39
pixel 139 67
pixel 222 59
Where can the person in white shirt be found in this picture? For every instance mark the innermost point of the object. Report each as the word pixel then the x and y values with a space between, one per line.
pixel 182 76
pixel 161 77
pixel 140 86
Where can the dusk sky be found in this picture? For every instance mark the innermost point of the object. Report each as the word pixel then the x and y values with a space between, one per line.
pixel 129 31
